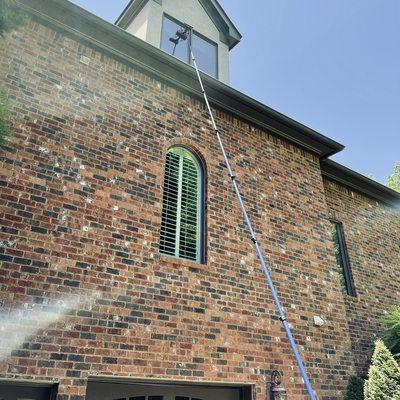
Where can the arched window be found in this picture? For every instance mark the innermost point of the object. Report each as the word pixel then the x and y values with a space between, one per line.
pixel 182 215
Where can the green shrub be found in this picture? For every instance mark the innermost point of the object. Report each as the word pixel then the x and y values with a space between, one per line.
pixel 10 16
pixel 394 180
pixel 355 388
pixel 391 335
pixel 384 375
pixel 4 110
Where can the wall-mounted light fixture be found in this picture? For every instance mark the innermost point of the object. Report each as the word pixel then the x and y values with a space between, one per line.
pixel 277 391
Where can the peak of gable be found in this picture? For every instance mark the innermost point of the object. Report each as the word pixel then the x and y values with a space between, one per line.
pixel 229 34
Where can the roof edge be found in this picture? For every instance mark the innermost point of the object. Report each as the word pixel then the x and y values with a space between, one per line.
pixel 123 12
pixel 353 180
pixel 222 22
pixel 222 11
pixel 130 12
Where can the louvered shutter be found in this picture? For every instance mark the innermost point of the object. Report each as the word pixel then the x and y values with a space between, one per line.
pixel 181 216
pixel 170 205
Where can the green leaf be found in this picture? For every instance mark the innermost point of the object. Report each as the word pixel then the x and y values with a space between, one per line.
pixel 394 180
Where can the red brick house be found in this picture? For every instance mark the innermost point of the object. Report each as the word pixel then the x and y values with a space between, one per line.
pixel 126 268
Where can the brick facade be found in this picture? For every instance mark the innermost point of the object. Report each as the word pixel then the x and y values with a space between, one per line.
pixel 81 198
pixel 373 242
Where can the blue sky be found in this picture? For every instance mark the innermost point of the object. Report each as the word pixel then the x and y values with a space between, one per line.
pixel 332 65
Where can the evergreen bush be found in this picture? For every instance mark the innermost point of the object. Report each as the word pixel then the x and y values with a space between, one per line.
pixel 355 388
pixel 391 335
pixel 384 375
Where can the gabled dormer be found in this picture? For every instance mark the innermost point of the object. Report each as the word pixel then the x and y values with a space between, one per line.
pixel 212 34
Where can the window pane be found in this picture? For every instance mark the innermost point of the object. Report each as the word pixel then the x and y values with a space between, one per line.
pixel 206 55
pixel 169 30
pixel 342 260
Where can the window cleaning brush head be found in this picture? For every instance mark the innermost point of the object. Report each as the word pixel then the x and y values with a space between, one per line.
pixel 181 34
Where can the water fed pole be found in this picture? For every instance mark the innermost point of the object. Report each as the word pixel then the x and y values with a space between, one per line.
pixel 182 35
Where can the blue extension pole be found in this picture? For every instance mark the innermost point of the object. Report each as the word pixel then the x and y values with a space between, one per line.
pixel 260 255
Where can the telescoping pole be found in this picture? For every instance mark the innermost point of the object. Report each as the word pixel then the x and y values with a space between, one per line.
pixel 260 255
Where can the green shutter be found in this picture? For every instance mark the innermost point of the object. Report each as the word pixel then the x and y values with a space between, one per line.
pixel 182 208
pixel 170 205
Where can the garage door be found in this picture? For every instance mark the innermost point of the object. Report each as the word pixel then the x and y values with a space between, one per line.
pixel 11 391
pixel 162 391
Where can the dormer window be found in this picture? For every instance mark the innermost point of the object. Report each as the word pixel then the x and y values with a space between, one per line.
pixel 205 51
pixel 212 37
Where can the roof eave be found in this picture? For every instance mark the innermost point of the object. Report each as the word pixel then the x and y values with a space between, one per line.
pixel 359 183
pixel 233 29
pixel 130 11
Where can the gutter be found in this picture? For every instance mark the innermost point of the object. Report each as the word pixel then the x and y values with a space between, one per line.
pixel 344 176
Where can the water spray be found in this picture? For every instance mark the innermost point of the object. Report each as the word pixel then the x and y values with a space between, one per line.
pixel 17 326
pixel 182 35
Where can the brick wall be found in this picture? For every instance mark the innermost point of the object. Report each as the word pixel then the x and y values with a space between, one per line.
pixel 372 234
pixel 81 191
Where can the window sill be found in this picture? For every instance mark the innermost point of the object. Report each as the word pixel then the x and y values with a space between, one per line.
pixel 171 260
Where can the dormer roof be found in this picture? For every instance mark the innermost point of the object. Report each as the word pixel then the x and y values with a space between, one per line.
pixel 228 31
